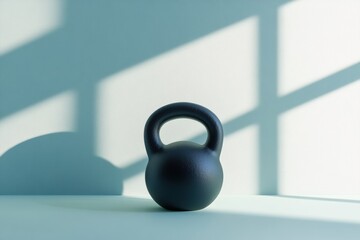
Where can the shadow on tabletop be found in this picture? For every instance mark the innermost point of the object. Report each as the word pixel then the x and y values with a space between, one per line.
pixel 109 204
pixel 135 212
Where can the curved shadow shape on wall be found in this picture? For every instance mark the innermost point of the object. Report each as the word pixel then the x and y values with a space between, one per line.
pixel 58 163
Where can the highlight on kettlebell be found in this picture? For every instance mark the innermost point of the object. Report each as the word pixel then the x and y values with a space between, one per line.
pixel 183 176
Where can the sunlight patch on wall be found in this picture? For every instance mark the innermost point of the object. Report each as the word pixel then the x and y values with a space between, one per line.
pixel 218 71
pixel 23 21
pixel 316 39
pixel 174 130
pixel 240 162
pixel 319 145
pixel 135 186
pixel 52 115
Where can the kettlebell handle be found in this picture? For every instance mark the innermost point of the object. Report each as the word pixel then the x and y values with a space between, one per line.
pixel 172 111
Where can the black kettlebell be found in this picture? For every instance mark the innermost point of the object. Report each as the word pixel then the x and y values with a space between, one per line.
pixel 183 176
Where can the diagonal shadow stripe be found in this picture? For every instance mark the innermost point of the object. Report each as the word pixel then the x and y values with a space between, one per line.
pixel 319 88
pixel 87 51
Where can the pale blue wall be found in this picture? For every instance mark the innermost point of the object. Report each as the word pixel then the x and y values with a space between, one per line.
pixel 99 38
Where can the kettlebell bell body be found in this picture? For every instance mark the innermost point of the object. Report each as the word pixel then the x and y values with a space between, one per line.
pixel 183 176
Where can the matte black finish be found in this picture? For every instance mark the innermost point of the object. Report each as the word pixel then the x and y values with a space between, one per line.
pixel 183 175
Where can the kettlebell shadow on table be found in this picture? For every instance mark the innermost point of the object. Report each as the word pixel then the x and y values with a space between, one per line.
pixel 115 204
pixel 57 164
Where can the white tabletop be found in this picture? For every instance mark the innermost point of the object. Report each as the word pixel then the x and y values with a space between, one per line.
pixel 120 217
